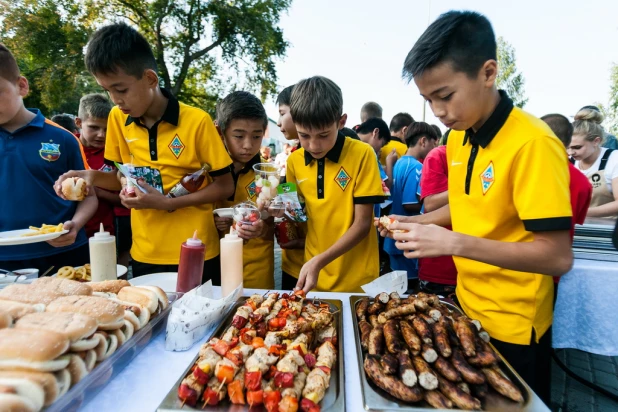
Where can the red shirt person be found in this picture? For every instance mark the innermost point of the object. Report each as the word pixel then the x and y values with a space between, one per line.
pixel 437 275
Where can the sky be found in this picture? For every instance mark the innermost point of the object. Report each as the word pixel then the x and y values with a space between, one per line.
pixel 565 49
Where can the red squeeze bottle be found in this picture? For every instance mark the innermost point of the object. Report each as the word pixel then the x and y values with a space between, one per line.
pixel 191 265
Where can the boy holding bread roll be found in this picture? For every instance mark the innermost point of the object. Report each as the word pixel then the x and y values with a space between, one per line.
pixel 34 152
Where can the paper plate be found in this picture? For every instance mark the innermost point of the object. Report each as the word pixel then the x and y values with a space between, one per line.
pixel 165 280
pixel 16 237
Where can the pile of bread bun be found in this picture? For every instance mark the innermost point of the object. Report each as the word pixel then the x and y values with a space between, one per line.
pixel 54 331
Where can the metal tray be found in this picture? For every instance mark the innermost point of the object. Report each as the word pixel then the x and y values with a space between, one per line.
pixel 86 389
pixel 375 399
pixel 334 399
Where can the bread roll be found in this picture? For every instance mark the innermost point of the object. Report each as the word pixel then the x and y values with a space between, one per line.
pixel 5 319
pixel 143 297
pixel 21 395
pixel 18 310
pixel 64 287
pixel 74 188
pixel 110 315
pixel 46 381
pixel 75 326
pixel 161 295
pixel 28 294
pixel 109 286
pixel 32 349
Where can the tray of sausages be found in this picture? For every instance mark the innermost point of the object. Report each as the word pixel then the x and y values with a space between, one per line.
pixel 274 353
pixel 422 353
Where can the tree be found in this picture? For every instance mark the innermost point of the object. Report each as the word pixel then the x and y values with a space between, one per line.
pixel 196 40
pixel 509 78
pixel 47 38
pixel 610 112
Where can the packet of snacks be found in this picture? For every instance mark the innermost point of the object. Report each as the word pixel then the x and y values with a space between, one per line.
pixel 288 203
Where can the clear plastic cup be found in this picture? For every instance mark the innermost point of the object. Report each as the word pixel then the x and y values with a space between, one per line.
pixel 246 213
pixel 267 178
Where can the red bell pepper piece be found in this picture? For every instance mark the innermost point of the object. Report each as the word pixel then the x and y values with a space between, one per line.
pixel 307 405
pixel 255 397
pixel 326 369
pixel 239 322
pixel 253 380
pixel 211 397
pixel 271 400
pixel 201 377
pixel 310 360
pixel 284 379
pixel 221 347
pixel 235 392
pixel 187 395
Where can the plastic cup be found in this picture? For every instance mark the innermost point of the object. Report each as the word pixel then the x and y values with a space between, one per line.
pixel 267 177
pixel 246 213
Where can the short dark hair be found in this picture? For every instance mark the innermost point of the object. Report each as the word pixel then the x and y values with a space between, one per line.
pixel 374 123
pixel 95 106
pixel 8 65
pixel 399 121
pixel 285 96
pixel 316 103
pixel 463 38
pixel 418 130
pixel 347 132
pixel 119 46
pixel 240 105
pixel 372 109
pixel 65 121
pixel 438 131
pixel 561 126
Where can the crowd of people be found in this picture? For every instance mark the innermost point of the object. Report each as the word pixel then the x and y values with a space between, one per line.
pixel 474 212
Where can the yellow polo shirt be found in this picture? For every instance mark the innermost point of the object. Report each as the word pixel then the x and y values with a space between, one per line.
pixel 258 254
pixel 179 143
pixel 505 182
pixel 331 186
pixel 292 260
pixel 396 144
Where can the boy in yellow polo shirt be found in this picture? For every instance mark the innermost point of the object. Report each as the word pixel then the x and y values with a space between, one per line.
pixel 339 179
pixel 242 122
pixel 398 127
pixel 151 130
pixel 508 190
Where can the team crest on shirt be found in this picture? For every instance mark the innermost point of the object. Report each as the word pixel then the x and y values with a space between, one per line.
pixel 487 178
pixel 251 189
pixel 342 178
pixel 50 151
pixel 176 146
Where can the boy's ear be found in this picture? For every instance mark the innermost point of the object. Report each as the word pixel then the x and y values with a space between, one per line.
pixel 403 131
pixel 78 122
pixel 23 85
pixel 489 72
pixel 218 130
pixel 343 120
pixel 152 78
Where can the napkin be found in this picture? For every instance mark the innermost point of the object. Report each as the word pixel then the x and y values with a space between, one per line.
pixel 194 314
pixel 396 281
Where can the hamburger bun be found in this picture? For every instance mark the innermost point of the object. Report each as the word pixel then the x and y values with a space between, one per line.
pixel 63 377
pixel 161 295
pixel 17 309
pixel 32 349
pixel 64 287
pixel 109 286
pixel 5 319
pixel 109 315
pixel 112 344
pixel 143 297
pixel 28 294
pixel 77 369
pixel 74 188
pixel 78 328
pixel 134 313
pixel 20 394
pixel 46 381
pixel 89 357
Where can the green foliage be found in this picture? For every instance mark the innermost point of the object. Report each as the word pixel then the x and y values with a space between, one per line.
pixel 509 79
pixel 610 111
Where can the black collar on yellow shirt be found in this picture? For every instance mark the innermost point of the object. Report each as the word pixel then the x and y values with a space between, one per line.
pixel 171 116
pixel 487 132
pixel 333 155
pixel 246 169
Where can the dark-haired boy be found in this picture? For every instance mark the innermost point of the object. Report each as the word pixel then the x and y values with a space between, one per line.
pixel 34 152
pixel 508 195
pixel 375 133
pixel 339 180
pixel 406 193
pixel 242 122
pixel 370 110
pixel 398 126
pixel 151 130
pixel 67 122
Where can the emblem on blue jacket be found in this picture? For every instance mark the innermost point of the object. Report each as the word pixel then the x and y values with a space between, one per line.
pixel 50 151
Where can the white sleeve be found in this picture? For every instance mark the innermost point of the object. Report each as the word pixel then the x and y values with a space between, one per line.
pixel 611 168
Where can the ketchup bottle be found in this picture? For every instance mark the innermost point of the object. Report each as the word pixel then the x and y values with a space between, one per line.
pixel 191 265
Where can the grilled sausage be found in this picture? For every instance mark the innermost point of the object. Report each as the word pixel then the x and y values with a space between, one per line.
pixel 480 391
pixel 390 384
pixel 392 304
pixel 394 342
pixel 394 295
pixel 410 337
pixel 365 329
pixel 429 353
pixel 389 364
pixel 464 387
pixel 431 300
pixel 435 314
pixel 485 355
pixel 466 336
pixel 446 369
pixel 437 400
pixel 426 318
pixel 440 339
pixel 461 399
pixel 373 320
pixel 450 330
pixel 361 308
pixel 382 297
pixel 427 378
pixel 375 345
pixel 406 370
pixel 402 310
pixel 375 308
pixel 420 304
pixel 502 385
pixel 470 374
pixel 422 329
